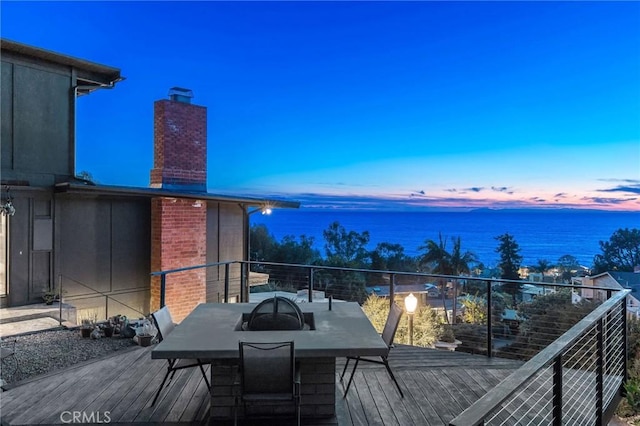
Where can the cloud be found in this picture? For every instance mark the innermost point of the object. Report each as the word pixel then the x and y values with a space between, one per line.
pixel 633 181
pixel 604 200
pixel 633 189
pixel 504 189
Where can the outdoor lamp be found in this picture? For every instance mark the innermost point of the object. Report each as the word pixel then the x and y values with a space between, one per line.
pixel 410 304
pixel 7 208
pixel 263 209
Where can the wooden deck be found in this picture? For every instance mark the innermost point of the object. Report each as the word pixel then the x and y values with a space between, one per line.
pixel 438 385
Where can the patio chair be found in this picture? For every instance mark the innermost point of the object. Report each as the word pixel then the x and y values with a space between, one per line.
pixel 165 325
pixel 268 374
pixel 8 357
pixel 388 333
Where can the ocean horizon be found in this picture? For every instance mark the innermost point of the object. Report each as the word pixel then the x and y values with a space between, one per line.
pixel 541 234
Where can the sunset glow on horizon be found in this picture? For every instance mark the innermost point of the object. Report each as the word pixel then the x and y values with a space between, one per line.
pixel 367 105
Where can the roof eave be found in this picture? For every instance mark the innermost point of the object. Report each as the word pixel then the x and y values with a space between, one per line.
pixel 126 191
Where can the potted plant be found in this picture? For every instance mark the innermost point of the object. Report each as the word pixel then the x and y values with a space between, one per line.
pixel 108 329
pixel 446 339
pixel 86 328
pixel 50 295
pixel 144 334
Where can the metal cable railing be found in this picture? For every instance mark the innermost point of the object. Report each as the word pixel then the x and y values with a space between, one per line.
pixel 573 381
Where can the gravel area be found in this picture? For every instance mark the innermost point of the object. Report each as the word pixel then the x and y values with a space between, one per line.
pixel 47 351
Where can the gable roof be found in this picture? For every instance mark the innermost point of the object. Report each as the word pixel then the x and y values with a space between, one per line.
pixel 627 280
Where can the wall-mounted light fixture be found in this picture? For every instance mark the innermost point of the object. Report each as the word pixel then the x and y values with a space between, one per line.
pixel 6 208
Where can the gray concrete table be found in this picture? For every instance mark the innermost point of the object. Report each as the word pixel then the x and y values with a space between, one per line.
pixel 212 331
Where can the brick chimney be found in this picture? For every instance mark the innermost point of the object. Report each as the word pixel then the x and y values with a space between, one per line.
pixel 180 143
pixel 179 225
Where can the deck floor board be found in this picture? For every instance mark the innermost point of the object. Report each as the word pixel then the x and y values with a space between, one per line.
pixel 435 385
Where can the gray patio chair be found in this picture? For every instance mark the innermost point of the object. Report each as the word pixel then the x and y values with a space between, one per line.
pixel 388 333
pixel 165 325
pixel 268 374
pixel 7 358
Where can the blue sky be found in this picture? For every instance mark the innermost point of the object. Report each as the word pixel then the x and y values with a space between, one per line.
pixel 368 104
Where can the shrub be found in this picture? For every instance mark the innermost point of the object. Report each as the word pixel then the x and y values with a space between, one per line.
pixel 426 327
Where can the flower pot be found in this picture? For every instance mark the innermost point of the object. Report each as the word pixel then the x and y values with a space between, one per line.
pixel 85 332
pixel 108 331
pixel 449 346
pixel 144 340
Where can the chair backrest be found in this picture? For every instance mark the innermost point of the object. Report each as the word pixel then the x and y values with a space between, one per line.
pixel 267 368
pixel 390 327
pixel 164 323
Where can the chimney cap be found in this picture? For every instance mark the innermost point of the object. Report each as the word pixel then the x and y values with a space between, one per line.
pixel 180 94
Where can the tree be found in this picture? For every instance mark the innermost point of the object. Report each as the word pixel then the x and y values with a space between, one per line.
pixel 546 318
pixel 435 256
pixel 299 251
pixel 263 244
pixel 542 266
pixel 510 260
pixel 442 262
pixel 86 176
pixel 389 257
pixel 567 265
pixel 620 253
pixel 346 249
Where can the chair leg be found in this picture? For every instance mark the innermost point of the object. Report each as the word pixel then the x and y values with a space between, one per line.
pixel 351 378
pixel 346 364
pixel 386 364
pixel 235 412
pixel 161 386
pixel 297 401
pixel 204 375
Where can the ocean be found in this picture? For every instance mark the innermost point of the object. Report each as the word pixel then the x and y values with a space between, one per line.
pixel 545 234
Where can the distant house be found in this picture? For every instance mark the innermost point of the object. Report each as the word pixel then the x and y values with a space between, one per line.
pixel 614 280
pixel 101 242
pixel 529 292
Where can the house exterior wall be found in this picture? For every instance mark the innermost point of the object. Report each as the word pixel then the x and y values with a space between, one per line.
pixel 37 122
pixel 225 242
pixel 103 251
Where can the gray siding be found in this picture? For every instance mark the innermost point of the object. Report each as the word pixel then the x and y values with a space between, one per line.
pixel 36 116
pixel 104 250
pixel 225 224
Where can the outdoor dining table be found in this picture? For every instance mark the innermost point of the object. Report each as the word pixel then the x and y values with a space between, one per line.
pixel 212 332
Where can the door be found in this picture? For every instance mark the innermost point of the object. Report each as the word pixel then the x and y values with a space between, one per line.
pixel 30 240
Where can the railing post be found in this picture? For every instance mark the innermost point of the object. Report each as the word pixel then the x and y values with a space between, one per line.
pixel 60 300
pixel 625 343
pixel 557 391
pixel 226 283
pixel 163 287
pixel 310 285
pixel 599 370
pixel 489 321
pixel 392 290
pixel 244 278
